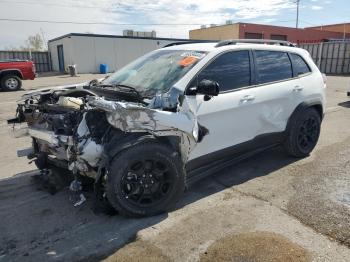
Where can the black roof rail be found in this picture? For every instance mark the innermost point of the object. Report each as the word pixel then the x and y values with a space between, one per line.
pixel 255 41
pixel 190 42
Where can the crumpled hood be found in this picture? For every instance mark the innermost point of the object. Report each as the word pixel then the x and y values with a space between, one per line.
pixel 48 90
pixel 51 89
pixel 133 117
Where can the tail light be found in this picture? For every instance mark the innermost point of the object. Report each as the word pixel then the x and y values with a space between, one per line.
pixel 324 77
pixel 33 68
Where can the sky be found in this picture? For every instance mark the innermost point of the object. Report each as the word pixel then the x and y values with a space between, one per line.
pixel 169 18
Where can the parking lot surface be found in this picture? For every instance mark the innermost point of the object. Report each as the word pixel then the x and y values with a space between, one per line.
pixel 268 208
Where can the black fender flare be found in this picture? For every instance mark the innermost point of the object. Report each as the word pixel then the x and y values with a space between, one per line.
pixel 302 107
pixel 122 140
pixel 117 145
pixel 119 142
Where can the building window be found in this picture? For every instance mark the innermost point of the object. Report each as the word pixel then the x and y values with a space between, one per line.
pixel 279 37
pixel 248 35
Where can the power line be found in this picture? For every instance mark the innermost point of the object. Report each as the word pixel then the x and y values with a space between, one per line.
pixel 90 23
pixel 116 24
pixel 50 4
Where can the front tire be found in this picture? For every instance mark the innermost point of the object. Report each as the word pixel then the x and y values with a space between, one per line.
pixel 145 179
pixel 11 83
pixel 303 133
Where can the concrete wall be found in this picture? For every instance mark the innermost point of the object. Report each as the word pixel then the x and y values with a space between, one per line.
pixel 88 52
pixel 216 33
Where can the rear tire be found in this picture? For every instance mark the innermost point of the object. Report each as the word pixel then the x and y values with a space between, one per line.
pixel 303 133
pixel 145 179
pixel 11 83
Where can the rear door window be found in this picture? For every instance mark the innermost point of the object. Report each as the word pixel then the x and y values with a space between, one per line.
pixel 272 66
pixel 300 67
pixel 231 70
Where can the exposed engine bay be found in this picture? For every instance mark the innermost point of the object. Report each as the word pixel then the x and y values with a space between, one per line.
pixel 80 128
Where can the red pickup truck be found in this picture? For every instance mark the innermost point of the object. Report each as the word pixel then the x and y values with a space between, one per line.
pixel 12 72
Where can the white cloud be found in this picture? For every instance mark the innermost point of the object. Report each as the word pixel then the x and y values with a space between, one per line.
pixel 316 7
pixel 189 12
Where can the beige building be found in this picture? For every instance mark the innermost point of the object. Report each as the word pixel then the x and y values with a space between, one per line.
pixel 88 51
pixel 221 32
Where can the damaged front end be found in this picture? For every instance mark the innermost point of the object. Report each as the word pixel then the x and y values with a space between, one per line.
pixel 80 128
pixel 87 128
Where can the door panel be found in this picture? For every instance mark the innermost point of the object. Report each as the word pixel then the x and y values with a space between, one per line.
pixel 276 103
pixel 241 115
pixel 60 55
pixel 305 89
pixel 231 119
pixel 278 90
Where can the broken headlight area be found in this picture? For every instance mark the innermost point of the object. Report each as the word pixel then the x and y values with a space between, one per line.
pixel 65 129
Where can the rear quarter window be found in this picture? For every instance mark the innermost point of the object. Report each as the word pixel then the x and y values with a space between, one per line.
pixel 300 67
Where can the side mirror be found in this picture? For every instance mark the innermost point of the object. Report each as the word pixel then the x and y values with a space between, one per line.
pixel 208 87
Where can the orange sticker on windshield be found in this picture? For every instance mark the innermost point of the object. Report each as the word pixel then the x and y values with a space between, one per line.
pixel 187 61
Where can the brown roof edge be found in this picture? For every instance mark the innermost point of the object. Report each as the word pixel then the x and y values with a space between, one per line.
pixel 327 25
pixel 208 27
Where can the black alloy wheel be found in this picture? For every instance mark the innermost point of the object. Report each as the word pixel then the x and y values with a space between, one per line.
pixel 145 179
pixel 147 182
pixel 303 132
pixel 308 133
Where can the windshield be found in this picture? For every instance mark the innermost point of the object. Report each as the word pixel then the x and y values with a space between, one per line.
pixel 156 72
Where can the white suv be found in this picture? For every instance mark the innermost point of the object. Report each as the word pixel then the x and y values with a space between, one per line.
pixel 176 114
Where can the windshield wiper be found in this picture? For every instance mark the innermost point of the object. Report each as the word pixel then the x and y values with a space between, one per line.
pixel 120 86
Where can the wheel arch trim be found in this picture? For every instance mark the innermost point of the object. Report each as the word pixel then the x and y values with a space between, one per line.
pixel 315 103
pixel 134 139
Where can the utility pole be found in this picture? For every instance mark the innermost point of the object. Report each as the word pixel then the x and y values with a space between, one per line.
pixel 297 21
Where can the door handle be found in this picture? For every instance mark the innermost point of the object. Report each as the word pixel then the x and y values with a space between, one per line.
pixel 298 88
pixel 247 98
